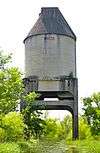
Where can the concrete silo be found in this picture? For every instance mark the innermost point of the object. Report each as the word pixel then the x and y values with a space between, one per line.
pixel 50 62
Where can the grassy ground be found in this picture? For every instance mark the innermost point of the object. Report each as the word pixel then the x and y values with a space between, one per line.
pixel 47 146
pixel 85 146
pixel 53 146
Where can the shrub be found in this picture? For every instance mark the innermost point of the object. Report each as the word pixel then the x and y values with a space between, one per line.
pixel 29 146
pixel 84 129
pixel 12 127
pixel 9 148
pixel 51 128
pixel 84 146
pixel 67 127
pixel 2 132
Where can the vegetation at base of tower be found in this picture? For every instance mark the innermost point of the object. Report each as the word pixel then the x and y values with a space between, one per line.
pixel 11 127
pixel 58 130
pixel 32 117
pixel 91 107
pixel 29 132
pixel 11 91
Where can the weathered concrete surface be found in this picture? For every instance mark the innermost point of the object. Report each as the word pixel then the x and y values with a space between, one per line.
pixel 50 58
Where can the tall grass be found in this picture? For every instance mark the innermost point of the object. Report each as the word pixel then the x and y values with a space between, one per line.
pixel 84 146
pixel 49 146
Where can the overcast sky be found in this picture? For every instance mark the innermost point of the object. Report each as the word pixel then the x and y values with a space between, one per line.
pixel 18 16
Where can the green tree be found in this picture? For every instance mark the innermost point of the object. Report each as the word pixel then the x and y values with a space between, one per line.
pixel 11 86
pixel 91 107
pixel 32 117
pixel 12 91
pixel 4 60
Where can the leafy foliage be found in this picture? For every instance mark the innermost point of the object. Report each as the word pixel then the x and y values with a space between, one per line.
pixel 32 117
pixel 11 86
pixel 84 129
pixel 4 59
pixel 32 146
pixel 10 89
pixel 67 127
pixel 55 129
pixel 11 127
pixel 9 148
pixel 51 128
pixel 91 107
pixel 84 146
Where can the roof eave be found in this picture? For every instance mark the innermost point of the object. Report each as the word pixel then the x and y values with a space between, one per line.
pixel 75 38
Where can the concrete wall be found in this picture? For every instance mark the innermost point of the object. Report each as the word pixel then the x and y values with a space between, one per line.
pixel 48 85
pixel 49 56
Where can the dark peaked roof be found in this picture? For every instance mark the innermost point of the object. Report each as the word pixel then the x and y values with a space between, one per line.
pixel 51 21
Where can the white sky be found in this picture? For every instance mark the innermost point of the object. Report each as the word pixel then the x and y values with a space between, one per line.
pixel 18 16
